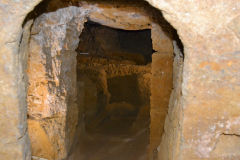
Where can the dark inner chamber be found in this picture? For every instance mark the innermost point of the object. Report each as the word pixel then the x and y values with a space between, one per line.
pixel 102 41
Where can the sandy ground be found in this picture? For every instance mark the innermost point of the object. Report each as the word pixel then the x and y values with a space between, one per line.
pixel 111 140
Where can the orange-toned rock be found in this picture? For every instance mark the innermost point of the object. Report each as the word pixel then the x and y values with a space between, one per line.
pixel 52 77
pixel 161 87
pixel 40 143
pixel 209 102
pixel 204 110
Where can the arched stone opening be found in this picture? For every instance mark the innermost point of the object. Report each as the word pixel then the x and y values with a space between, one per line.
pixel 205 47
pixel 56 38
pixel 114 75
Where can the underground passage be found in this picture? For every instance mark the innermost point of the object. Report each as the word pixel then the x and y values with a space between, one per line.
pixel 99 80
pixel 113 82
pixel 119 79
pixel 100 75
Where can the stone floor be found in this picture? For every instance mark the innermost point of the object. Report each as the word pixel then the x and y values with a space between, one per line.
pixel 112 140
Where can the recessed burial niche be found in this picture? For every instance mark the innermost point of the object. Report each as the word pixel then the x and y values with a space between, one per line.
pixel 96 83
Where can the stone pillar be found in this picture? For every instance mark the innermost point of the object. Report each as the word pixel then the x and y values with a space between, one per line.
pixel 161 87
pixel 52 91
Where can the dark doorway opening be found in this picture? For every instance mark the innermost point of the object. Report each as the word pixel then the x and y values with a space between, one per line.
pixel 102 76
pixel 106 42
pixel 113 74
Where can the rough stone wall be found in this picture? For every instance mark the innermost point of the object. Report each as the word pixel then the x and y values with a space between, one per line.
pixel 15 30
pixel 14 142
pixel 166 150
pixel 161 42
pixel 161 87
pixel 100 76
pixel 205 38
pixel 113 69
pixel 123 14
pixel 52 81
pixel 135 16
pixel 210 90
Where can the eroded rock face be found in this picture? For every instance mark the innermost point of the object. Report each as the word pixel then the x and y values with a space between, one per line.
pixel 209 41
pixel 210 92
pixel 52 79
pixel 51 91
pixel 132 16
pixel 171 136
pixel 161 87
pixel 14 142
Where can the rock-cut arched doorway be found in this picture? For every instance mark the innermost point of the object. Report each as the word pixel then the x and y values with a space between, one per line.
pixel 56 94
pixel 84 76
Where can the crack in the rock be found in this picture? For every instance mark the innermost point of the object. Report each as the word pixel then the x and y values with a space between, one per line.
pixel 224 134
pixel 24 133
pixel 230 134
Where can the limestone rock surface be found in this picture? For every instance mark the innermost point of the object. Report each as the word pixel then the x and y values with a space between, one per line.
pixel 52 79
pixel 210 90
